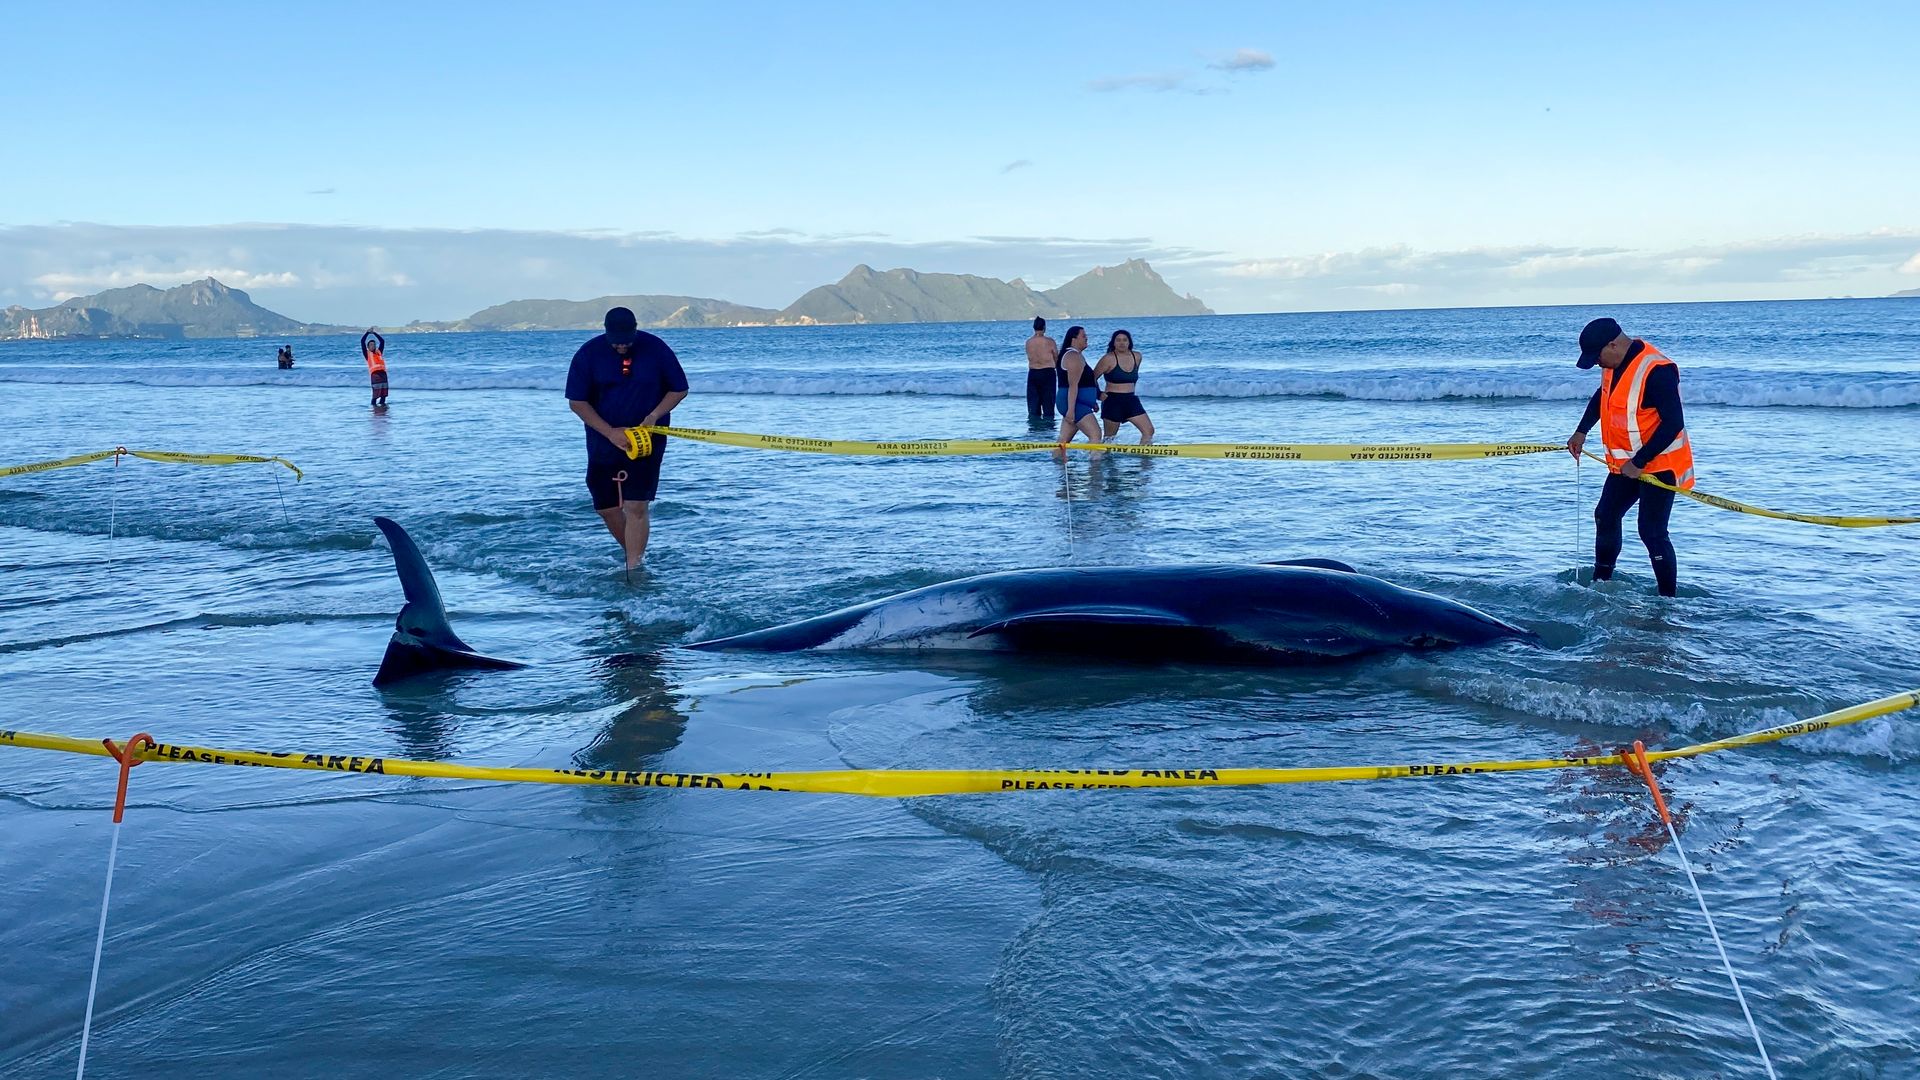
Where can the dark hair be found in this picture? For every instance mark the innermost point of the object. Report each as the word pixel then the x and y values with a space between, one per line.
pixel 1039 324
pixel 1072 332
pixel 1116 337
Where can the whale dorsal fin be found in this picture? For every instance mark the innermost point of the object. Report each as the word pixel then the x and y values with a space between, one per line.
pixel 424 617
pixel 422 639
pixel 1316 564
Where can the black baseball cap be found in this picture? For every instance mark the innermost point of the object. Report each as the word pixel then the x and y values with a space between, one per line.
pixel 1595 336
pixel 622 327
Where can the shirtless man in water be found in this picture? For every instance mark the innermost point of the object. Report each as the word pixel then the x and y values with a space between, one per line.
pixel 1041 352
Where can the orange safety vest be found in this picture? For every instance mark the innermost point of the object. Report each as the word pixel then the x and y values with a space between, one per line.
pixel 1625 424
pixel 376 362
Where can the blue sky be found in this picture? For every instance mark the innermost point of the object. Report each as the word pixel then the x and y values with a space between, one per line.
pixel 352 162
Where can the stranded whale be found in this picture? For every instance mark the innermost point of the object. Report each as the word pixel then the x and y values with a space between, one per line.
pixel 1300 612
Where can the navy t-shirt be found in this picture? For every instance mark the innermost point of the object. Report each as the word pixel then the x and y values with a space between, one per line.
pixel 622 400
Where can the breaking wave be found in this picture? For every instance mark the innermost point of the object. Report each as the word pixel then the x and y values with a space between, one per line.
pixel 1852 390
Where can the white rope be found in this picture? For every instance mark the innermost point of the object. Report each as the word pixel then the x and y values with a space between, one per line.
pixel 99 942
pixel 113 492
pixel 1731 977
pixel 1579 527
pixel 1066 483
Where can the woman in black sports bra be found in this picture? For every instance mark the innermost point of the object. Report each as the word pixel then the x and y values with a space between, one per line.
pixel 1121 368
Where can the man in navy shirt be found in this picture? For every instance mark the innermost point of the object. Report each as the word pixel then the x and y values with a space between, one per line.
pixel 624 378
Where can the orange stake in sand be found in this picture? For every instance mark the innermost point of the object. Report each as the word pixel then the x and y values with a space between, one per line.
pixel 128 757
pixel 1637 765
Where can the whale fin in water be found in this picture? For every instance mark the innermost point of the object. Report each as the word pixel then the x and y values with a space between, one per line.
pixel 422 639
pixel 1316 564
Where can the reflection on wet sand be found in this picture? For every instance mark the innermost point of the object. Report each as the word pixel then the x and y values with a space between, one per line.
pixel 649 722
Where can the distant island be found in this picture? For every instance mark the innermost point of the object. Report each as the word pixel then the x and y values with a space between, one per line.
pixel 1908 292
pixel 206 309
pixel 199 309
pixel 865 295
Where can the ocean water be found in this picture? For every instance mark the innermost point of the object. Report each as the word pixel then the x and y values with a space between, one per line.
pixel 285 924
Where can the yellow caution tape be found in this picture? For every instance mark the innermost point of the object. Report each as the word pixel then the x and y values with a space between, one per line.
pixel 895 783
pixel 1215 451
pixel 43 466
pixel 172 457
pixel 1837 521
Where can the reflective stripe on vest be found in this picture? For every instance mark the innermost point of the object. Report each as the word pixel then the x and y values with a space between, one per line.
pixel 1625 422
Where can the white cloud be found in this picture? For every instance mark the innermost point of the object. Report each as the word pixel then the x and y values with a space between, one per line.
pixel 1238 62
pixel 1331 264
pixel 1157 83
pixel 1244 60
pixel 65 285
pixel 1860 264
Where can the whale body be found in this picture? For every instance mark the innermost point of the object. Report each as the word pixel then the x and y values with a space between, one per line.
pixel 1274 612
pixel 1310 610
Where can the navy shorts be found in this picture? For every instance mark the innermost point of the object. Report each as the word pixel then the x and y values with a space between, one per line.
pixel 1087 404
pixel 641 484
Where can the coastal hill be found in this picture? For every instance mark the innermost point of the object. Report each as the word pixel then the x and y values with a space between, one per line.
pixel 1908 292
pixel 208 309
pixel 588 314
pixel 899 296
pixel 1132 288
pixel 865 295
pixel 199 309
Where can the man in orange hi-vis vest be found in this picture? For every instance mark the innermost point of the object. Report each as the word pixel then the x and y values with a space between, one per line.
pixel 373 349
pixel 1638 409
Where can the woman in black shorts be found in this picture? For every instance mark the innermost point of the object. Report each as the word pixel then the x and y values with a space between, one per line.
pixel 1121 368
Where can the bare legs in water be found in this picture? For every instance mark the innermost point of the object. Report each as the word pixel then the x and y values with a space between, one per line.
pixel 629 523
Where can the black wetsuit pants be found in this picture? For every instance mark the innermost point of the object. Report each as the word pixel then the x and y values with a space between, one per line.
pixel 1656 505
pixel 1040 394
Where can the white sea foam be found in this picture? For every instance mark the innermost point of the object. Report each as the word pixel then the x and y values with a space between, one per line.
pixel 1853 390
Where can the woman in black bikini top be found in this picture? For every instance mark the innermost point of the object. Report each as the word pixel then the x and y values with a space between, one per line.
pixel 1122 405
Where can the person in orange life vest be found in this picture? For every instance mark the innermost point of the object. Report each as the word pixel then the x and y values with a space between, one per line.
pixel 1638 409
pixel 373 349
